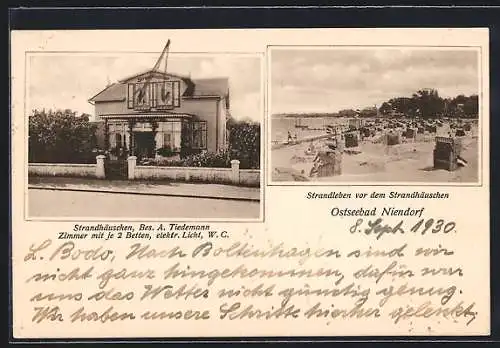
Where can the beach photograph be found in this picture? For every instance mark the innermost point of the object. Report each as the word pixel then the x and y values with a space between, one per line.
pixel 374 115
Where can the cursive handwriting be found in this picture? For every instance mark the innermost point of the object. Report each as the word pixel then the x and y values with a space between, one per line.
pixel 33 250
pixel 238 311
pixel 140 251
pixel 123 274
pixel 358 311
pixel 446 293
pixel 428 310
pixel 68 250
pixel 278 251
pixel 212 281
pixel 378 228
pixel 108 315
pixel 242 271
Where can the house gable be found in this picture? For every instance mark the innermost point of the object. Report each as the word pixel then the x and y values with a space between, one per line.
pixel 115 98
pixel 117 92
pixel 186 85
pixel 208 87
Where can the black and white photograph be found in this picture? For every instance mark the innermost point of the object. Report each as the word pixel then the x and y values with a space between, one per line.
pixel 363 114
pixel 249 184
pixel 161 134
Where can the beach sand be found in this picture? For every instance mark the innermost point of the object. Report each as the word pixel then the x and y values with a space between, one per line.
pixel 376 162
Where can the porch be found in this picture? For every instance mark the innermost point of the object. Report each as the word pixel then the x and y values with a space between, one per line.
pixel 153 135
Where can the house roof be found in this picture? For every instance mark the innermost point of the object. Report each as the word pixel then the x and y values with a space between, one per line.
pixel 113 92
pixel 211 86
pixel 199 87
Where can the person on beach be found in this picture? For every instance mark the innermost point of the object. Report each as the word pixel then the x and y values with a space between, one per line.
pixel 289 137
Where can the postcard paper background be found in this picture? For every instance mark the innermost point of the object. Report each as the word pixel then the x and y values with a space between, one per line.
pixel 289 218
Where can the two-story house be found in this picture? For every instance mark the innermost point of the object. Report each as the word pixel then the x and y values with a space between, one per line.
pixel 156 113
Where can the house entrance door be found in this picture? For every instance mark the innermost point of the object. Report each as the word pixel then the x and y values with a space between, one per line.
pixel 144 145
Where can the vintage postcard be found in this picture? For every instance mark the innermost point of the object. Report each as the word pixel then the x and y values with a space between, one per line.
pixel 250 183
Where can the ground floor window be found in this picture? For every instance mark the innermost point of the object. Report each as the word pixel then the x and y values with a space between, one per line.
pixel 172 132
pixel 168 138
pixel 199 135
pixel 117 136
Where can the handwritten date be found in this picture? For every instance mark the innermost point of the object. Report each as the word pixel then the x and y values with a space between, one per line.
pixel 424 226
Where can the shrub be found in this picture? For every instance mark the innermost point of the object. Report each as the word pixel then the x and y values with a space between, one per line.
pixel 204 159
pixel 244 143
pixel 61 137
pixel 208 159
pixel 166 151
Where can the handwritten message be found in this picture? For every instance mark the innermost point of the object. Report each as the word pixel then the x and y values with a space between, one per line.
pixel 142 273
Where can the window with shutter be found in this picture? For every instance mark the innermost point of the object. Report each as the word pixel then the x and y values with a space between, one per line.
pixel 130 96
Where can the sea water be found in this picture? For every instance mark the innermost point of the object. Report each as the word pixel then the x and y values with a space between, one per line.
pixel 280 126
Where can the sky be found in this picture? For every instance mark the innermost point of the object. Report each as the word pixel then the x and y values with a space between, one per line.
pixel 329 80
pixel 67 81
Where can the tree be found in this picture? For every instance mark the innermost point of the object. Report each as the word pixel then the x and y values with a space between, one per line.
pixel 244 142
pixel 385 109
pixel 61 137
pixel 368 112
pixel 399 106
pixel 428 102
pixel 463 106
pixel 471 107
pixel 348 113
